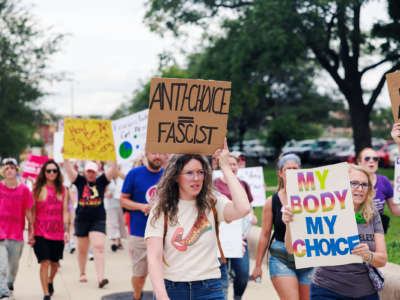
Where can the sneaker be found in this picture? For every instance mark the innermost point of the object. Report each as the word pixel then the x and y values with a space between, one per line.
pixel 114 247
pixel 51 288
pixel 91 256
pixel 103 283
pixel 72 250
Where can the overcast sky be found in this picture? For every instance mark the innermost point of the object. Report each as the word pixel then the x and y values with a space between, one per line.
pixel 109 49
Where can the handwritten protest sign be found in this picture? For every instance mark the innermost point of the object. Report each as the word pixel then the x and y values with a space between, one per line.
pixel 130 136
pixel 58 143
pixel 187 115
pixel 230 236
pixel 396 196
pixel 88 139
pixel 324 230
pixel 254 176
pixel 32 166
pixel 393 83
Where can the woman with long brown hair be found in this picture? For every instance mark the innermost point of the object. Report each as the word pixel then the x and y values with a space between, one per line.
pixel 51 223
pixel 181 234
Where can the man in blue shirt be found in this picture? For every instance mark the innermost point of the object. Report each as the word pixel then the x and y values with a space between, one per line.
pixel 137 195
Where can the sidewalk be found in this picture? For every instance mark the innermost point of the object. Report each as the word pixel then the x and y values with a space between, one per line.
pixel 118 271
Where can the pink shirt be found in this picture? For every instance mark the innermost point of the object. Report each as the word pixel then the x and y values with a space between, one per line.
pixel 49 216
pixel 13 205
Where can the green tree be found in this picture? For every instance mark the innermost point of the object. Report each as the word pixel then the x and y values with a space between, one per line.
pixel 24 54
pixel 329 30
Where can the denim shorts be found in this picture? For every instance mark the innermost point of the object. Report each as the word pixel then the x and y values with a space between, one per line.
pixel 192 290
pixel 278 268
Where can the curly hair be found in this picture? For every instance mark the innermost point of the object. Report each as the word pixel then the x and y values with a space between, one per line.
pixel 168 188
pixel 368 206
pixel 41 180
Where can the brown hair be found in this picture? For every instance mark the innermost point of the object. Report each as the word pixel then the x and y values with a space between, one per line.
pixel 41 180
pixel 168 188
pixel 368 206
pixel 359 156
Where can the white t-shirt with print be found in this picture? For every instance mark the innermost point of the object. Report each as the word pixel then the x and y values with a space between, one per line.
pixel 190 248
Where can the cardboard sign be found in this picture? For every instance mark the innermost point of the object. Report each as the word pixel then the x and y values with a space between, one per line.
pixel 187 115
pixel 254 176
pixel 88 139
pixel 396 196
pixel 58 143
pixel 324 230
pixel 393 83
pixel 130 136
pixel 230 236
pixel 33 165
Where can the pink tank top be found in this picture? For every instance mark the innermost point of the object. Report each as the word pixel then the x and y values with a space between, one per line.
pixel 49 216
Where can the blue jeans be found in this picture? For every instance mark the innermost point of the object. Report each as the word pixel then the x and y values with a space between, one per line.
pixel 14 251
pixel 3 268
pixel 238 269
pixel 210 289
pixel 319 293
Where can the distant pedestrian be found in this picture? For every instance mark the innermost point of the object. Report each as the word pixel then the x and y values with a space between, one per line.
pixel 15 205
pixel 137 196
pixel 51 223
pixel 368 158
pixel 90 220
pixel 290 283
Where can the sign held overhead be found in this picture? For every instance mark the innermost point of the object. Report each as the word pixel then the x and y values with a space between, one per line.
pixel 393 82
pixel 187 115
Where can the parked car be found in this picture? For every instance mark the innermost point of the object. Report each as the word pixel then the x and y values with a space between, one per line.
pixel 319 153
pixel 341 145
pixel 301 148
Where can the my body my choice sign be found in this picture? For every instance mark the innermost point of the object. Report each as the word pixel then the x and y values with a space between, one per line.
pixel 324 230
pixel 187 115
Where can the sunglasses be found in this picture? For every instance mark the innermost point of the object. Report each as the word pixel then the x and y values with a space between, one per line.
pixel 48 171
pixel 368 158
pixel 9 161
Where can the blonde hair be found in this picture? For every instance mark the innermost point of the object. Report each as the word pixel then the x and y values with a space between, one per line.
pixel 368 206
pixel 3 168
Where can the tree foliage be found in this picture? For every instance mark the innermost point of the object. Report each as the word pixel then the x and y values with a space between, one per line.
pixel 325 32
pixel 24 56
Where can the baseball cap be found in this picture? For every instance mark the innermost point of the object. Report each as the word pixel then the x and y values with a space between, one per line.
pixel 90 165
pixel 9 161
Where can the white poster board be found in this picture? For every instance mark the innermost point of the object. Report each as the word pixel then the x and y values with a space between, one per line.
pixel 58 143
pixel 324 230
pixel 130 136
pixel 396 196
pixel 254 176
pixel 230 236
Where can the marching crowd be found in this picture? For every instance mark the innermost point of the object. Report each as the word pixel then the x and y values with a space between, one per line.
pixel 173 207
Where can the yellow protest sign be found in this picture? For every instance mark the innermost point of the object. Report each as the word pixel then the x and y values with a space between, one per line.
pixel 88 139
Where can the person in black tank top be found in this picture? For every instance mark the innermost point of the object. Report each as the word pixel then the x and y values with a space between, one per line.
pixel 288 282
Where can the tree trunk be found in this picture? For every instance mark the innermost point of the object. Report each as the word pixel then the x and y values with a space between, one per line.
pixel 359 115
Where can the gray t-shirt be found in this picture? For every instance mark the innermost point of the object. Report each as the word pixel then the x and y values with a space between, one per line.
pixel 351 280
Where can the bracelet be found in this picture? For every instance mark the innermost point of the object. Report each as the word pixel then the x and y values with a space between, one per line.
pixel 371 256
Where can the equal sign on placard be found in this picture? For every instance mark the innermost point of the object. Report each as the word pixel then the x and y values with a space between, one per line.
pixel 185 119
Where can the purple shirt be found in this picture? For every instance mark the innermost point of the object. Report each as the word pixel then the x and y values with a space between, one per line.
pixel 384 191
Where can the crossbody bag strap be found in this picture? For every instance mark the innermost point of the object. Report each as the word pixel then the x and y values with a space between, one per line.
pixel 164 235
pixel 217 232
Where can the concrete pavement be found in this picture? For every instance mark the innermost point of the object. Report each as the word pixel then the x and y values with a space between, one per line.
pixel 118 271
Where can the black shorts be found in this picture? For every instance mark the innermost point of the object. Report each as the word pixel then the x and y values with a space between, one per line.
pixel 82 228
pixel 48 249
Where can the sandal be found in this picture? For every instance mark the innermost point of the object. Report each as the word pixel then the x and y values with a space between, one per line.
pixel 103 283
pixel 83 278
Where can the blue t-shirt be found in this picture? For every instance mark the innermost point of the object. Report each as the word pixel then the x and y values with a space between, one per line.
pixel 140 183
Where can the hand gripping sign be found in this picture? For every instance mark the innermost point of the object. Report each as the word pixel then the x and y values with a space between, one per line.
pixel 324 230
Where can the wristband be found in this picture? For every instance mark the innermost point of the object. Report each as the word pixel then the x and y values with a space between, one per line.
pixel 371 256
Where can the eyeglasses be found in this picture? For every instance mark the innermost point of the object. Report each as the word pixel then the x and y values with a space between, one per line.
pixel 368 158
pixel 193 174
pixel 48 171
pixel 356 184
pixel 9 161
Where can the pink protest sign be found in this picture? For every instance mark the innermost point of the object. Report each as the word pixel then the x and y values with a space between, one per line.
pixel 32 166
